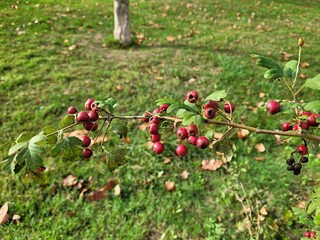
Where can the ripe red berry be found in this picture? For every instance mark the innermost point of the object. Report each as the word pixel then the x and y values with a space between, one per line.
pixel 83 117
pixel 306 113
pixel 302 149
pixel 95 106
pixel 307 234
pixel 158 147
pixel 305 125
pixel 147 115
pixel 286 126
pixel 181 150
pixel 164 107
pixel 192 140
pixel 86 141
pixel 313 234
pixel 72 110
pixel 155 137
pixel 312 120
pixel 94 116
pixel 87 153
pixel 295 127
pixel 211 104
pixel 156 110
pixel 153 128
pixel 202 142
pixel 90 126
pixel 192 130
pixel 182 133
pixel 88 103
pixel 273 107
pixel 209 113
pixel 192 96
pixel 154 119
pixel 229 107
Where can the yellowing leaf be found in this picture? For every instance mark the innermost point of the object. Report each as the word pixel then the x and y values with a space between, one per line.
pixel 263 210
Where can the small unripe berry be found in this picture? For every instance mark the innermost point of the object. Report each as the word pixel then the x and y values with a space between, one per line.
pixel 229 107
pixel 87 153
pixel 153 128
pixel 312 120
pixel 83 117
pixel 164 107
pixel 181 150
pixel 72 110
pixel 158 147
pixel 192 130
pixel 202 142
pixel 192 140
pixel 88 103
pixel 192 96
pixel 302 149
pixel 182 133
pixel 211 104
pixel 209 113
pixel 286 126
pixel 86 141
pixel 155 137
pixel 273 107
pixel 300 42
pixel 90 126
pixel 94 116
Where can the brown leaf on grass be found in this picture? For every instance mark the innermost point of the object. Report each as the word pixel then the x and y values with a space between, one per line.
pixel 109 185
pixel 184 175
pixel 305 64
pixel 279 141
pixel 69 181
pixel 140 38
pixel 191 80
pixel 211 165
pixel 4 215
pixel 171 39
pixel 170 186
pixel 16 218
pixel 166 160
pixel 149 144
pixel 143 126
pixel 262 94
pixel 119 87
pixel 260 147
pixel 261 158
pixel 117 190
pixel 96 196
pixel 302 76
pixel 72 47
pixel 263 210
pixel 287 56
pixel 217 135
pixel 242 133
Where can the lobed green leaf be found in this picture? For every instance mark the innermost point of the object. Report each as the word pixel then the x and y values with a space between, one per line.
pixel 216 96
pixel 266 62
pixel 273 74
pixel 290 69
pixel 120 128
pixel 313 83
pixel 68 149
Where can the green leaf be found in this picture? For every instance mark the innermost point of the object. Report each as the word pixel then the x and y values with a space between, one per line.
pixel 67 120
pixel 273 74
pixel 23 137
pixel 180 113
pixel 120 128
pixel 166 100
pixel 313 106
pixel 188 118
pixel 313 83
pixel 177 106
pixel 313 205
pixel 209 134
pixel 316 220
pixel 31 176
pixel 191 106
pixel 68 149
pixel 116 158
pixel 216 96
pixel 266 62
pixel 290 69
pixel 50 129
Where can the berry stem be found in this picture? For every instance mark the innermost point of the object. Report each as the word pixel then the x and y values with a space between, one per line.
pixel 62 129
pixel 297 70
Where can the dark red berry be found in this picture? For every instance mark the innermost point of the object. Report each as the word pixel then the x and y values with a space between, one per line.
pixel 211 104
pixel 153 128
pixel 155 137
pixel 95 106
pixel 290 161
pixel 192 96
pixel 181 150
pixel 296 172
pixel 94 116
pixel 90 126
pixel 273 107
pixel 40 169
pixel 154 119
pixel 209 113
pixel 286 126
pixel 295 127
pixel 304 159
pixel 302 149
pixel 202 142
pixel 229 107
pixel 297 166
pixel 290 167
pixel 192 130
pixel 158 147
pixel 305 125
pixel 307 234
pixel 192 140
pixel 87 153
pixel 72 110
pixel 88 103
pixel 156 110
pixel 182 133
pixel 164 107
pixel 312 120
pixel 86 141
pixel 147 116
pixel 83 117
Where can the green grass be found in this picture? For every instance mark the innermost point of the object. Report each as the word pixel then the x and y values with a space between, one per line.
pixel 40 77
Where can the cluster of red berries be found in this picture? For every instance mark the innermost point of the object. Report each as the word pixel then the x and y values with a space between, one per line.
pixel 294 166
pixel 310 234
pixel 89 119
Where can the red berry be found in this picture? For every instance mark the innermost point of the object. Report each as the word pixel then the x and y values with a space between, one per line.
pixel 286 126
pixel 211 104
pixel 86 141
pixel 155 137
pixel 192 96
pixel 154 119
pixel 273 107
pixel 87 153
pixel 181 150
pixel 312 120
pixel 209 113
pixel 72 110
pixel 192 140
pixel 313 234
pixel 83 117
pixel 182 133
pixel 88 103
pixel 295 127
pixel 306 113
pixel 94 116
pixel 305 125
pixel 307 234
pixel 156 110
pixel 153 128
pixel 202 142
pixel 229 107
pixel 192 130
pixel 158 147
pixel 147 115
pixel 40 169
pixel 90 126
pixel 302 149
pixel 164 107
pixel 95 106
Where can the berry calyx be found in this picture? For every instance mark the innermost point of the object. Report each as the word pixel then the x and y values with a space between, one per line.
pixel 312 120
pixel 86 141
pixel 209 113
pixel 300 42
pixel 155 137
pixel 83 117
pixel 153 128
pixel 94 116
pixel 302 149
pixel 273 107
pixel 72 110
pixel 88 103
pixel 202 142
pixel 158 147
pixel 95 106
pixel 286 126
pixel 229 107
pixel 181 150
pixel 164 107
pixel 192 130
pixel 182 133
pixel 211 104
pixel 192 96
pixel 87 153
pixel 192 140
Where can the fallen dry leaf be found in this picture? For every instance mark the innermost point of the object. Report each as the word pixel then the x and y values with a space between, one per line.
pixel 166 160
pixel 287 56
pixel 143 126
pixel 242 133
pixel 117 190
pixel 211 165
pixel 4 216
pixel 262 94
pixel 72 47
pixel 69 181
pixel 96 196
pixel 305 64
pixel 184 174
pixel 302 76
pixel 169 186
pixel 260 147
pixel 261 158
pixel 109 185
pixel 16 218
pixel 149 144
pixel 263 210
pixel 171 39
pixel 217 135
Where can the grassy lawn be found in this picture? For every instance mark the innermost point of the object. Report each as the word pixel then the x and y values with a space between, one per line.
pixel 54 54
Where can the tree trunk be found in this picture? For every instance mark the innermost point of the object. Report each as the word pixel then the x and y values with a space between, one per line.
pixel 121 22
